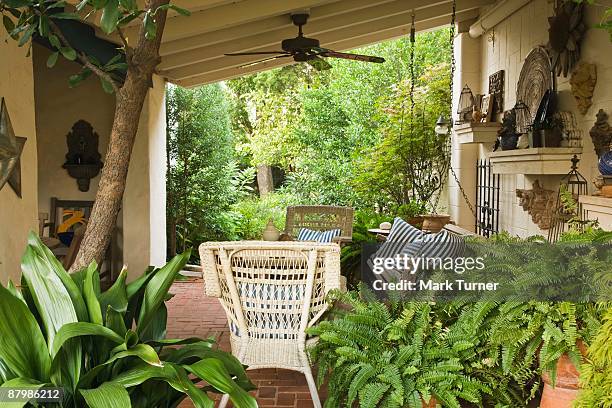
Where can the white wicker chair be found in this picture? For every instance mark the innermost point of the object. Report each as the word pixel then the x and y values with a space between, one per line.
pixel 271 292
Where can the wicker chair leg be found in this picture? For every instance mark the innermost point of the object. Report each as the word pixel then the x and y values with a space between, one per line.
pixel 312 386
pixel 224 401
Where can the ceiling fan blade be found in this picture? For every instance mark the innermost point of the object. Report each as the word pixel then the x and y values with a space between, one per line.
pixel 354 57
pixel 318 63
pixel 233 54
pixel 264 60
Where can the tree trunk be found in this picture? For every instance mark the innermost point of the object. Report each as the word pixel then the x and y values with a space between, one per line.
pixel 142 61
pixel 265 182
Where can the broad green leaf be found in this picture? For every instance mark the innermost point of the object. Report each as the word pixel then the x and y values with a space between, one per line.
pixel 108 395
pixel 114 321
pixel 25 37
pixel 52 60
pixel 55 42
pixel 50 296
pixel 52 263
pixel 213 371
pixel 19 383
pixel 143 372
pixel 176 342
pixel 156 330
pixel 9 25
pixel 73 330
pixel 107 86
pixel 110 16
pixel 157 289
pixel 22 345
pixel 69 53
pixel 150 26
pixel 14 291
pixel 116 295
pixel 91 297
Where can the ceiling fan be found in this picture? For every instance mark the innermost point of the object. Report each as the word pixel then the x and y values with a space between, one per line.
pixel 304 49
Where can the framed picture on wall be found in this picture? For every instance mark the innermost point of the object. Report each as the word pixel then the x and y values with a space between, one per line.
pixel 486 107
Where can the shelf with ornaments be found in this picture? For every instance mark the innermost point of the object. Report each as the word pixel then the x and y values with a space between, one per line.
pixel 476 132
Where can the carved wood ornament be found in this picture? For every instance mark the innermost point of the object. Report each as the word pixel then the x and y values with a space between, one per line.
pixel 496 90
pixel 538 202
pixel 583 81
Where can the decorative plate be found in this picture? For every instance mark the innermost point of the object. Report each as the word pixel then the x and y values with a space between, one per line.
pixel 605 164
pixel 535 79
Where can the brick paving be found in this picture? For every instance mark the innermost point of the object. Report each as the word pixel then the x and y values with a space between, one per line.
pixel 192 313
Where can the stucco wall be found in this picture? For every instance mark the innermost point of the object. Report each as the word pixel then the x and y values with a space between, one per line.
pixel 515 37
pixel 144 202
pixel 18 215
pixel 58 107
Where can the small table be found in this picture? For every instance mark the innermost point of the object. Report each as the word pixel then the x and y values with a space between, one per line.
pixel 378 231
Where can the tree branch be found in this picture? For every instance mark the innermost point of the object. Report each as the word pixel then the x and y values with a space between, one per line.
pixel 126 46
pixel 83 58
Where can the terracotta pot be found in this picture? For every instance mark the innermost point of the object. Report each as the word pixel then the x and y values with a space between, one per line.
pixel 435 222
pixel 416 221
pixel 566 387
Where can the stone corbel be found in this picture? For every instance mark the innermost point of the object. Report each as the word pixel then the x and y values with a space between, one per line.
pixel 539 203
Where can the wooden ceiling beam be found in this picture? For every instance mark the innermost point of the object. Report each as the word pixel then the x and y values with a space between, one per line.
pixel 346 44
pixel 232 14
pixel 322 21
pixel 326 38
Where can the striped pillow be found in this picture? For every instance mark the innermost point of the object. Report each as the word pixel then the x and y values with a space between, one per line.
pixel 306 234
pixel 441 245
pixel 401 231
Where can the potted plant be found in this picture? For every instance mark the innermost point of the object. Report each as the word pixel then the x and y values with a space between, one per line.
pixel 107 349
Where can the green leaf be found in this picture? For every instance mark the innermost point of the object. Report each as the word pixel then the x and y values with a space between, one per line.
pixel 110 16
pixel 52 60
pixel 55 42
pixel 91 297
pixel 19 383
pixel 156 330
pixel 129 4
pixel 9 25
pixel 52 301
pixel 214 372
pixel 107 86
pixel 116 295
pixel 51 262
pixel 25 37
pixel 73 330
pixel 16 3
pixel 115 322
pixel 22 345
pixel 108 395
pixel 157 289
pixel 69 53
pixel 150 26
pixel 180 10
pixel 66 16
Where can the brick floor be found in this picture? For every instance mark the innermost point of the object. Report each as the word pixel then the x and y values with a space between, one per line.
pixel 191 313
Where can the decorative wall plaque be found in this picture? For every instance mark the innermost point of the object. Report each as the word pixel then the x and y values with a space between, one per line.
pixel 11 147
pixel 83 159
pixel 496 90
pixel 538 202
pixel 583 81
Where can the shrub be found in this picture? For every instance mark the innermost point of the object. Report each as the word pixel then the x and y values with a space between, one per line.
pixel 252 214
pixel 106 349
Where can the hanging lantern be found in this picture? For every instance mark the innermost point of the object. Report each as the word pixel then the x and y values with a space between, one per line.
pixel 466 104
pixel 441 126
pixel 523 117
pixel 572 187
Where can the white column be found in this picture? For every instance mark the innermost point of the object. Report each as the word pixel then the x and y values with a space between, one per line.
pixel 144 202
pixel 464 156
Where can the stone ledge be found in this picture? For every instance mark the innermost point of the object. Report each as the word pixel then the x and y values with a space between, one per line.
pixel 598 208
pixel 539 160
pixel 480 133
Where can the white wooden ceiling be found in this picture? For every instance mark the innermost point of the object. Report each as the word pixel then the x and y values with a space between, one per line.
pixel 193 47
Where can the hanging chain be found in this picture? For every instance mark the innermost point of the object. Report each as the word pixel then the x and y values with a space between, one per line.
pixel 452 77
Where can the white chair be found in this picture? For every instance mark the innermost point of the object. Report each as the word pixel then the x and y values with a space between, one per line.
pixel 271 292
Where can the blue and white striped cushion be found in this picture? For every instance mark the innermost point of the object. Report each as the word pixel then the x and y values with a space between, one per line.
pixel 306 234
pixel 441 245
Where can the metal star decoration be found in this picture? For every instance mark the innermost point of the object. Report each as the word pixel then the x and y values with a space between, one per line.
pixel 10 151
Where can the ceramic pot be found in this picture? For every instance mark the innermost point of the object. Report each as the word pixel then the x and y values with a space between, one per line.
pixel 566 387
pixel 508 142
pixel 271 233
pixel 435 222
pixel 605 164
pixel 432 403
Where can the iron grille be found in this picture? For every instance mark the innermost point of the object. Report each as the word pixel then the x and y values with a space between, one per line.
pixel 487 199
